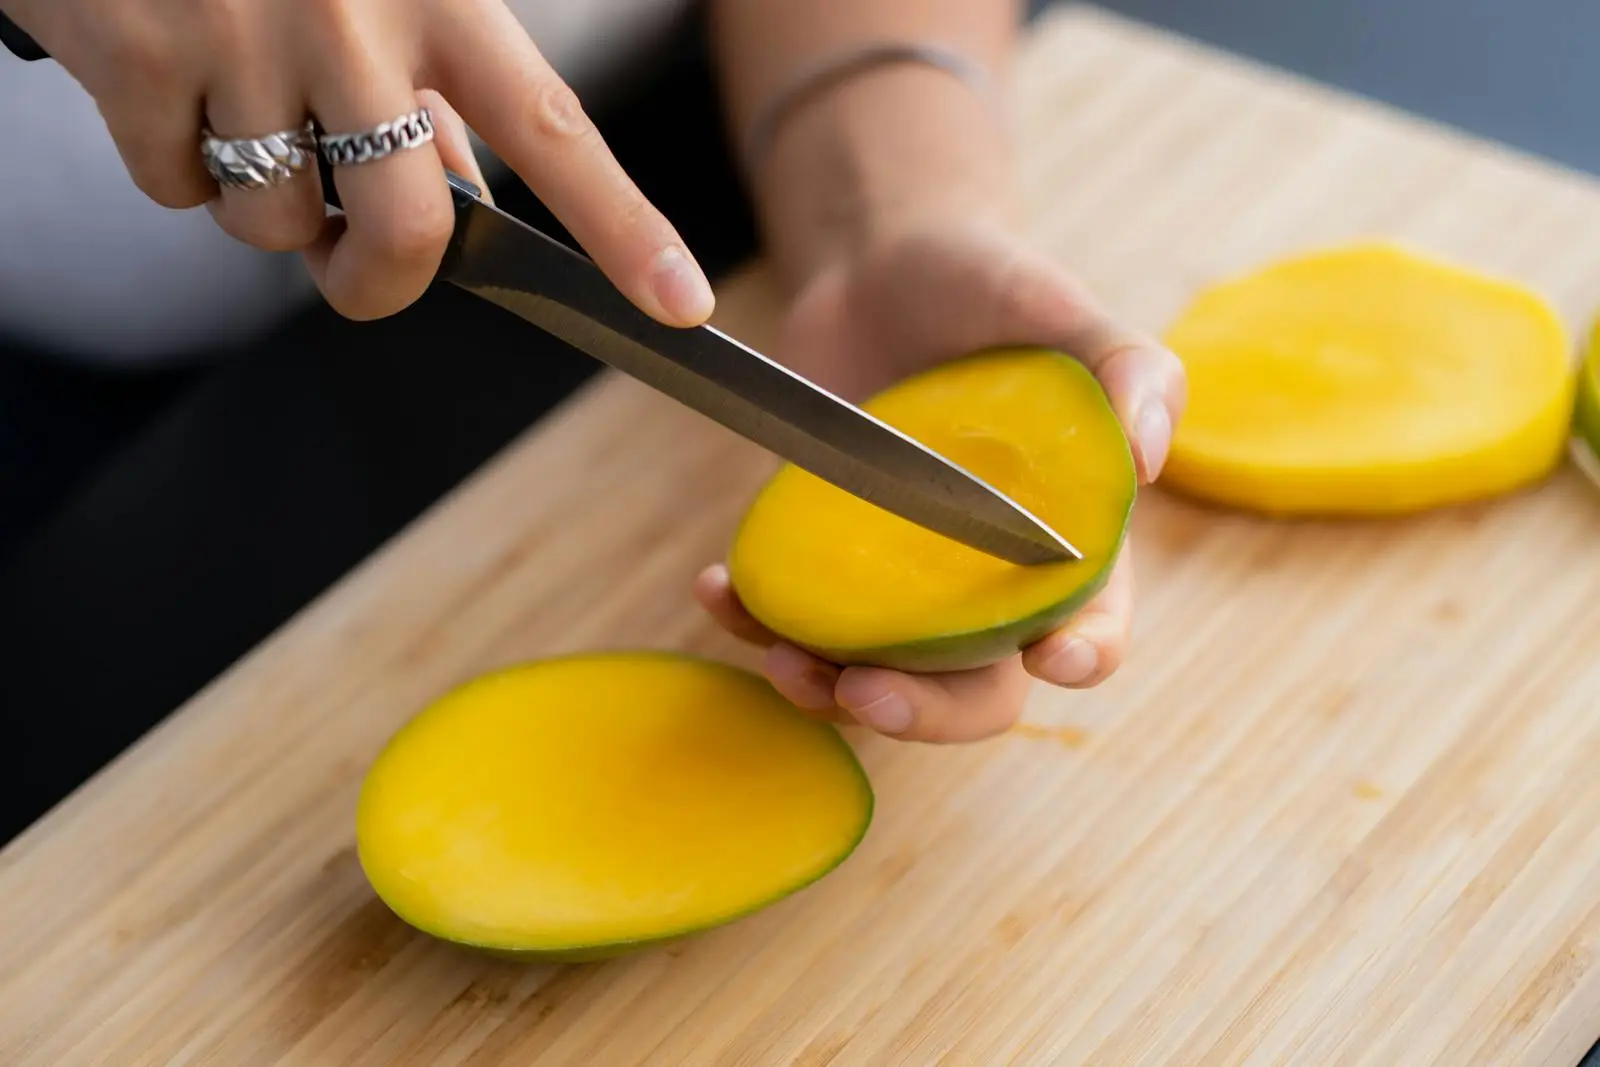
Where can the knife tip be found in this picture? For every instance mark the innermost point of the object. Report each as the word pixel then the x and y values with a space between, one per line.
pixel 1069 550
pixel 1047 546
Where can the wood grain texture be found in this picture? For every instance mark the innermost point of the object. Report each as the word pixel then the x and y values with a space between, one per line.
pixel 1339 808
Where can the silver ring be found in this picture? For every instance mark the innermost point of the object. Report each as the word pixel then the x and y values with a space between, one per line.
pixel 258 162
pixel 408 131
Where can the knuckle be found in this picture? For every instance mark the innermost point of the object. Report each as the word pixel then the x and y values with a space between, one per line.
pixel 414 235
pixel 1026 293
pixel 126 57
pixel 168 186
pixel 134 51
pixel 226 25
pixel 338 41
pixel 327 17
pixel 632 222
pixel 630 211
pixel 556 112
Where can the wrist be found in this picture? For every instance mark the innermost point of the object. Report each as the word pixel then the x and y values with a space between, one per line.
pixel 887 151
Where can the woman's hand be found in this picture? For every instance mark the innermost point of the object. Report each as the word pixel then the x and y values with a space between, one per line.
pixel 161 71
pixel 916 299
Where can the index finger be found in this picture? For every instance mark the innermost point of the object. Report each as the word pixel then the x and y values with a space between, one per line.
pixel 484 61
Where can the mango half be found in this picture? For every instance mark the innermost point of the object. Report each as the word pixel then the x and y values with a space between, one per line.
pixel 856 584
pixel 1367 379
pixel 582 807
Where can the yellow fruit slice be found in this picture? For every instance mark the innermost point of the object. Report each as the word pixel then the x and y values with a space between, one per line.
pixel 1366 380
pixel 580 807
pixel 1586 418
pixel 857 584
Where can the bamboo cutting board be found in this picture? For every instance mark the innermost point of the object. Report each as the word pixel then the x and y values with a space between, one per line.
pixel 1341 806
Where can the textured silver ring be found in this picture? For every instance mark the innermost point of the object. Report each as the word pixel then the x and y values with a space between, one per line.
pixel 408 131
pixel 258 162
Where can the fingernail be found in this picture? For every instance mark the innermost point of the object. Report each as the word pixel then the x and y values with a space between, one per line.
pixel 1074 663
pixel 680 287
pixel 889 714
pixel 1155 435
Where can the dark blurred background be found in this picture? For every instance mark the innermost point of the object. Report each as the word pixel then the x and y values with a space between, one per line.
pixel 155 527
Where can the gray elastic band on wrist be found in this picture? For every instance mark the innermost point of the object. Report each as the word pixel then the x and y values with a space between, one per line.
pixel 836 68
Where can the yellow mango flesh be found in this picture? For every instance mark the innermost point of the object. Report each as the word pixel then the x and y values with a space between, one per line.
pixel 1586 420
pixel 1367 379
pixel 578 807
pixel 857 584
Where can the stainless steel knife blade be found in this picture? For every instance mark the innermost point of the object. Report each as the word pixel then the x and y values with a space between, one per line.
pixel 511 264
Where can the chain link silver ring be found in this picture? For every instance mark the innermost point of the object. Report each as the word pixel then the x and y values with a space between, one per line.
pixel 348 149
pixel 258 162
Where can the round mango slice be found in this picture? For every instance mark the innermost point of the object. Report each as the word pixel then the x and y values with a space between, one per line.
pixel 1367 379
pixel 586 806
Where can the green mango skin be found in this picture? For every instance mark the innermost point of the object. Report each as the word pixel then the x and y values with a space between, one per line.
pixel 1586 414
pixel 979 648
pixel 581 954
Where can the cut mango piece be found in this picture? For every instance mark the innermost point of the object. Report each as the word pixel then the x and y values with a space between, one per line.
pixel 859 585
pixel 1367 380
pixel 581 807
pixel 1586 417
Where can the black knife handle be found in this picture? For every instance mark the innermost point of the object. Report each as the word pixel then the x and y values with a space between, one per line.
pixel 26 48
pixel 20 44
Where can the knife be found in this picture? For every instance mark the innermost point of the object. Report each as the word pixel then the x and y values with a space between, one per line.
pixel 515 266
